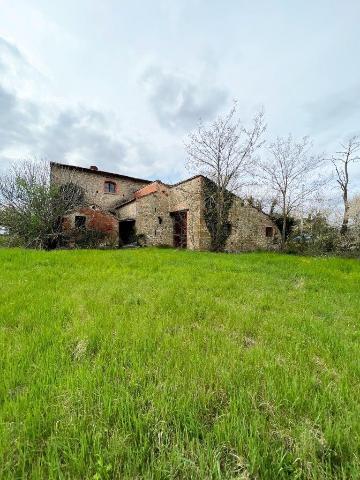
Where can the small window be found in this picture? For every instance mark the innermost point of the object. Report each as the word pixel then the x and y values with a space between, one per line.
pixel 269 232
pixel 160 220
pixel 80 221
pixel 110 187
pixel 227 229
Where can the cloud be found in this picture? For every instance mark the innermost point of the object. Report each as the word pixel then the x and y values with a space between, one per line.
pixel 75 135
pixel 31 127
pixel 17 73
pixel 79 135
pixel 178 102
pixel 333 110
pixel 17 118
pixel 10 50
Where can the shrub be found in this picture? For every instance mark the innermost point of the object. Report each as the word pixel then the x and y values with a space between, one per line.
pixel 83 238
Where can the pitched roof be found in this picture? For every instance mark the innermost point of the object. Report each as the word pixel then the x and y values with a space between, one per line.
pixel 99 172
pixel 187 180
pixel 121 204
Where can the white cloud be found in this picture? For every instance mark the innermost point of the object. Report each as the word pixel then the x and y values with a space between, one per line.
pixel 179 102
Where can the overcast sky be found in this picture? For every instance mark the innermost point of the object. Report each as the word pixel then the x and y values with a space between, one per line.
pixel 119 83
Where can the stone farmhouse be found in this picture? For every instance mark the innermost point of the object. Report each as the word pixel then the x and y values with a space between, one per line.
pixel 125 208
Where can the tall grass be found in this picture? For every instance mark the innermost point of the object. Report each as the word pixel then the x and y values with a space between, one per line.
pixel 162 364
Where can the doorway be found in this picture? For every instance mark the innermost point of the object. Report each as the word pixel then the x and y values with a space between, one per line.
pixel 126 232
pixel 179 229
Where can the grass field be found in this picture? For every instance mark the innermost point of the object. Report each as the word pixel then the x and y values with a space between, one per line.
pixel 163 364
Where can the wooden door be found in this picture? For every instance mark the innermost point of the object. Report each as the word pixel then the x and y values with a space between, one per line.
pixel 180 229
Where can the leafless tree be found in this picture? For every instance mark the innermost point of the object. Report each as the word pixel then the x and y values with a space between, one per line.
pixel 32 207
pixel 347 155
pixel 289 171
pixel 223 151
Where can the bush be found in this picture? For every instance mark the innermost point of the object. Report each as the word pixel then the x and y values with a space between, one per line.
pixel 349 244
pixel 31 206
pixel 317 237
pixel 4 240
pixel 83 238
pixel 141 239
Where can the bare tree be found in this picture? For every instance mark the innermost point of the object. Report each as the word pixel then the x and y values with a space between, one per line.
pixel 31 207
pixel 289 171
pixel 341 162
pixel 223 152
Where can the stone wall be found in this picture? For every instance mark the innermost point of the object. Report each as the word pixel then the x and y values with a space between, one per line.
pixel 153 218
pixel 188 196
pixel 93 183
pixel 127 211
pixel 248 229
pixel 248 225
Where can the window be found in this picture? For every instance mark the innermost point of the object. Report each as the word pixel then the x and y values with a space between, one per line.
pixel 227 229
pixel 80 221
pixel 110 187
pixel 160 220
pixel 269 232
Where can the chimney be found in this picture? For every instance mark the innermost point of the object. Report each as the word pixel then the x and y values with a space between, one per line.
pixel 94 167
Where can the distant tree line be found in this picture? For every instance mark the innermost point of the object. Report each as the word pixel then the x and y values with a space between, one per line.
pixel 292 175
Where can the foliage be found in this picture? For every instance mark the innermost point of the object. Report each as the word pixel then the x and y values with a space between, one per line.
pixel 223 152
pixel 83 238
pixel 315 236
pixel 349 242
pixel 31 208
pixel 4 240
pixel 217 225
pixel 140 239
pixel 290 223
pixel 154 364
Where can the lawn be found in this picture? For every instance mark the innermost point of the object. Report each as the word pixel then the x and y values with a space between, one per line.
pixel 164 364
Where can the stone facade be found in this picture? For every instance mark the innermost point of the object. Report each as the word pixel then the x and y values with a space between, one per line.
pixel 163 214
pixel 94 182
pixel 250 229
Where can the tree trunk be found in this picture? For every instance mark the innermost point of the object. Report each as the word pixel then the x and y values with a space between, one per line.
pixel 345 222
pixel 283 231
pixel 344 226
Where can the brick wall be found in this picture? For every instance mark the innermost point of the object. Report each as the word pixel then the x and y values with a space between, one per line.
pixel 96 219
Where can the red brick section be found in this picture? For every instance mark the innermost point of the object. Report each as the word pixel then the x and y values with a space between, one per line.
pixel 99 220
pixel 95 220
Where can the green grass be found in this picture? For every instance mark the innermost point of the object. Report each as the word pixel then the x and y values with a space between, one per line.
pixel 163 364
